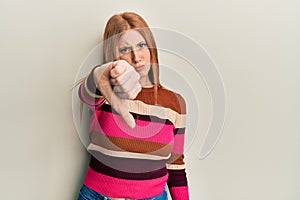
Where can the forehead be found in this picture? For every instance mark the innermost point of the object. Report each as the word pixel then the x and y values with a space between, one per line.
pixel 131 37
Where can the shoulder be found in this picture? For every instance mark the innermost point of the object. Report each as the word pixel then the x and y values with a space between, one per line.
pixel 173 100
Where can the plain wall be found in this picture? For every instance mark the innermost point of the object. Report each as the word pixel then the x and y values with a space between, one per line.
pixel 255 45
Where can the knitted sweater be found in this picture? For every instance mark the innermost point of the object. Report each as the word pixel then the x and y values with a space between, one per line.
pixel 138 162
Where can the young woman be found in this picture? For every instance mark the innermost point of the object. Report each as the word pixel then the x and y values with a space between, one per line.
pixel 137 126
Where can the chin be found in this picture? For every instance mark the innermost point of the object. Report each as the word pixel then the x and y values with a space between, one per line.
pixel 143 73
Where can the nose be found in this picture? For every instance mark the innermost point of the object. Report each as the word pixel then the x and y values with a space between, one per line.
pixel 136 56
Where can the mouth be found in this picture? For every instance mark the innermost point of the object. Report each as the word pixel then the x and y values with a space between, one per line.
pixel 139 68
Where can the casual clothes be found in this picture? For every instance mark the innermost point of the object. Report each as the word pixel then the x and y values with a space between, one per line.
pixel 136 163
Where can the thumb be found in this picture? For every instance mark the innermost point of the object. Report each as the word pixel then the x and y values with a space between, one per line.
pixel 122 107
pixel 128 119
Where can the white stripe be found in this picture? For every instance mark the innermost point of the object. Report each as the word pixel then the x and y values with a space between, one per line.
pixel 171 166
pixel 165 113
pixel 139 107
pixel 126 154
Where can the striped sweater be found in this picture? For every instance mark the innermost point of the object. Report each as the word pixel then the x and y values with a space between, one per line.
pixel 138 162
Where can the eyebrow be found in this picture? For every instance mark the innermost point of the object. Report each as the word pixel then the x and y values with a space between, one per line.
pixel 128 45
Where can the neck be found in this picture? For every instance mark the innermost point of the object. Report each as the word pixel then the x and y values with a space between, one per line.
pixel 145 82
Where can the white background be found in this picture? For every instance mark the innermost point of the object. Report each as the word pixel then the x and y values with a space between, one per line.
pixel 255 45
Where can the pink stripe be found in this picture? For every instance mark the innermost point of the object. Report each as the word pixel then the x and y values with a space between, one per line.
pixel 178 144
pixel 179 193
pixel 122 188
pixel 113 125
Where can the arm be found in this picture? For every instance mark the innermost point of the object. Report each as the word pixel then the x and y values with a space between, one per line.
pixel 98 87
pixel 177 181
pixel 89 93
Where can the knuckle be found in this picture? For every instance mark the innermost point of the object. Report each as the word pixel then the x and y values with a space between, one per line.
pixel 122 61
pixel 118 81
pixel 123 64
pixel 117 69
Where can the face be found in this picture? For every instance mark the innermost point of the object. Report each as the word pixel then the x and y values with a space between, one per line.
pixel 133 48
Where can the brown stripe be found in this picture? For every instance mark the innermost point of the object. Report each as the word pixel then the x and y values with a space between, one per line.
pixel 165 98
pixel 176 159
pixel 179 131
pixel 100 167
pixel 131 145
pixel 149 118
pixel 130 165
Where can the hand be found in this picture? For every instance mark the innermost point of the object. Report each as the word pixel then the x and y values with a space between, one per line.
pixel 125 80
pixel 126 86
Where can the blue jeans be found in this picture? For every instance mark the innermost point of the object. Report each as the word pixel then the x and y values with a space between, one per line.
pixel 88 194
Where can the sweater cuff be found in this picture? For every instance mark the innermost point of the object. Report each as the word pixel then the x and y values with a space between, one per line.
pixel 179 193
pixel 91 83
pixel 89 94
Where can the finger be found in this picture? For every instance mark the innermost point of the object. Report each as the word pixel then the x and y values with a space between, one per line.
pixel 103 72
pixel 104 82
pixel 131 93
pixel 113 81
pixel 129 120
pixel 128 74
pixel 117 70
pixel 134 92
pixel 127 117
pixel 125 95
pixel 113 64
pixel 130 88
pixel 131 75
pixel 104 75
pixel 121 106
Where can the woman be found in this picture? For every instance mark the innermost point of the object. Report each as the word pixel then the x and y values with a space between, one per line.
pixel 137 126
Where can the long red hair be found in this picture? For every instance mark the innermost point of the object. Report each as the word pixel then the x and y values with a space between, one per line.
pixel 118 24
pixel 115 26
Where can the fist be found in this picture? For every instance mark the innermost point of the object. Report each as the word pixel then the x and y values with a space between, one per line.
pixel 118 81
pixel 125 80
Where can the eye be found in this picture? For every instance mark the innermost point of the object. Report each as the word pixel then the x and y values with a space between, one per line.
pixel 143 45
pixel 124 50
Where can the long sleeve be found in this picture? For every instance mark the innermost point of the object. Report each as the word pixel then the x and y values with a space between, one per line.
pixel 177 181
pixel 89 93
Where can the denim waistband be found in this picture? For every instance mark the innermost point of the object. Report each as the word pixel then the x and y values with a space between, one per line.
pixel 88 194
